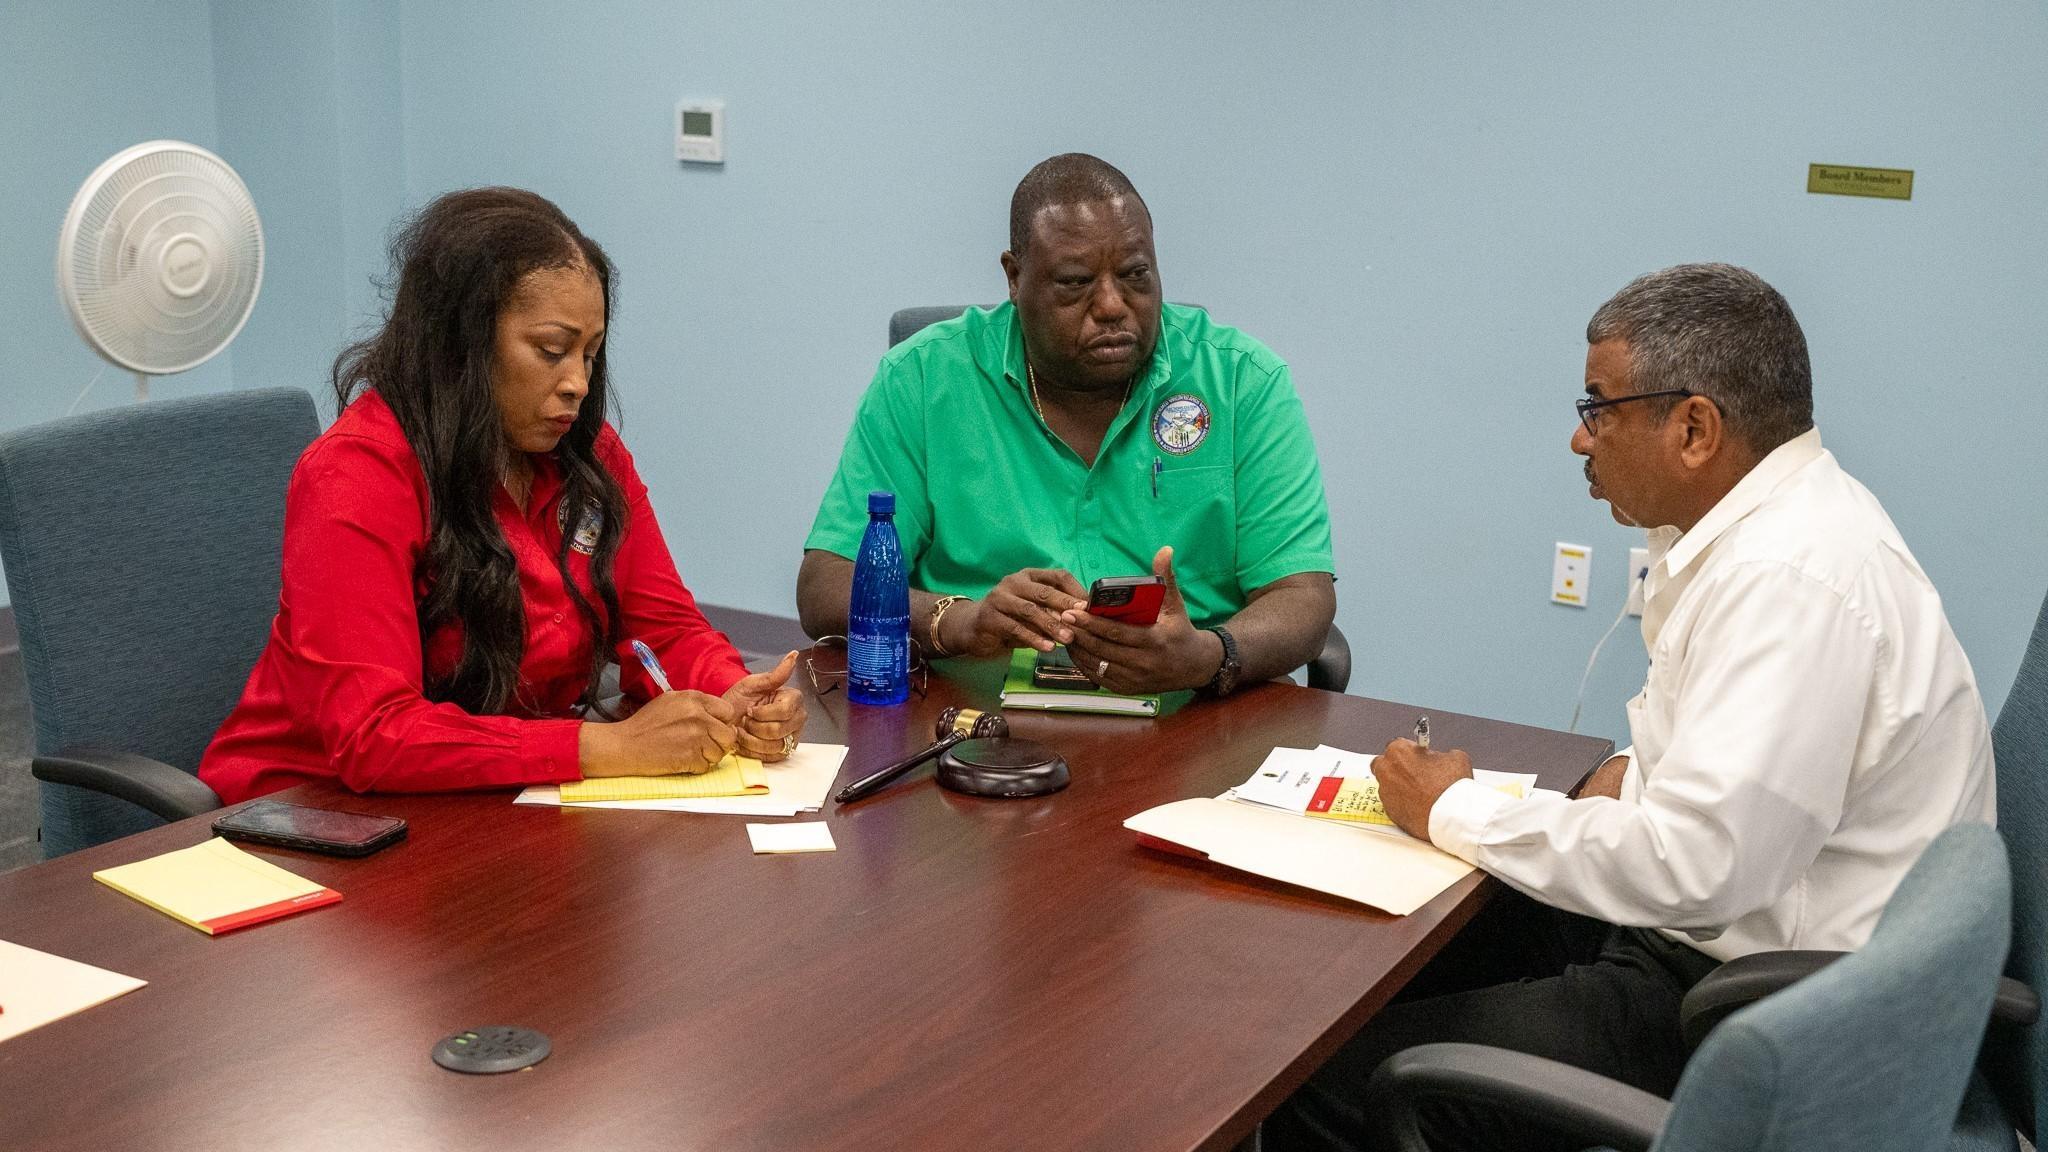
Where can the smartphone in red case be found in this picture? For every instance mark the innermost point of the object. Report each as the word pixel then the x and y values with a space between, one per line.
pixel 1127 599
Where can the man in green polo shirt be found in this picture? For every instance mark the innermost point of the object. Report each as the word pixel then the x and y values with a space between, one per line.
pixel 1083 430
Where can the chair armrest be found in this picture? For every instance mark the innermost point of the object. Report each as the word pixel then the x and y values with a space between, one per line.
pixel 152 784
pixel 1582 1104
pixel 1331 669
pixel 1747 979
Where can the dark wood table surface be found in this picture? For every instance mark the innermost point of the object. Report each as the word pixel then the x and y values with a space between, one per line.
pixel 962 973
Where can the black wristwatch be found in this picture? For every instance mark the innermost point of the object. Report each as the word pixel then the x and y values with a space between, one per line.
pixel 1225 680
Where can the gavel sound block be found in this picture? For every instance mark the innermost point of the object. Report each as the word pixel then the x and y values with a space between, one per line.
pixel 978 757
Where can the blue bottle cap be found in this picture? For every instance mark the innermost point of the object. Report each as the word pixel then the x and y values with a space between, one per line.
pixel 881 503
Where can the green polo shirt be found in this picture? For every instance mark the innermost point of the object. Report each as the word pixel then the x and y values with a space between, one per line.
pixel 1210 454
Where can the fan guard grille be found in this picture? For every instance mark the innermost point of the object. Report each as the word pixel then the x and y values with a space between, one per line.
pixel 160 257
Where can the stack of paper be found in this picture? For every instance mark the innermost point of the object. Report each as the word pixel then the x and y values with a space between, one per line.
pixel 1394 875
pixel 798 784
pixel 1264 826
pixel 1335 784
pixel 216 887
pixel 36 988
pixel 736 775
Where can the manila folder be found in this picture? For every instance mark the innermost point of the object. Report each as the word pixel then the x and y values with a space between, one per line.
pixel 1391 874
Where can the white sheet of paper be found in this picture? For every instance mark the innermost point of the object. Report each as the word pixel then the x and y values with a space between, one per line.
pixel 36 988
pixel 1504 780
pixel 1394 875
pixel 798 784
pixel 1287 781
pixel 806 836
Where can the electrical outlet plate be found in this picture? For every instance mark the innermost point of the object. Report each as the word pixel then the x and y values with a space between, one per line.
pixel 1568 574
pixel 1638 562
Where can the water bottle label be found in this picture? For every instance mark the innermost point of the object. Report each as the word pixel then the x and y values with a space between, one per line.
pixel 878 656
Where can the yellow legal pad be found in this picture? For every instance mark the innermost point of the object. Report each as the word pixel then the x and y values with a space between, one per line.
pixel 735 775
pixel 216 887
pixel 1358 798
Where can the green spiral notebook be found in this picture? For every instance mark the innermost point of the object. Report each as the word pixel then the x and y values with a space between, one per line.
pixel 1020 692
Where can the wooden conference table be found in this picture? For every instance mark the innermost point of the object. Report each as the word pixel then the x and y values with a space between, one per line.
pixel 962 973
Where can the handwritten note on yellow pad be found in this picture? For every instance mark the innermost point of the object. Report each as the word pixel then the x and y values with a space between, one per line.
pixel 216 887
pixel 1358 798
pixel 1349 798
pixel 735 775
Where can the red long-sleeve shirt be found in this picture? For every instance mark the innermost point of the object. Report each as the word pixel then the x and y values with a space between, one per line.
pixel 337 692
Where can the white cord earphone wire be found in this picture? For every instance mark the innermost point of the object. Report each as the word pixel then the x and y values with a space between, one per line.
pixel 1634 587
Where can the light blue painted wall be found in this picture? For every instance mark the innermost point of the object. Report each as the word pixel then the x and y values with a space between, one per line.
pixel 79 83
pixel 304 100
pixel 310 107
pixel 1417 205
pixel 274 68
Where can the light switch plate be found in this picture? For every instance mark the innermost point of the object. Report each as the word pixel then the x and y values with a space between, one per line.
pixel 1568 583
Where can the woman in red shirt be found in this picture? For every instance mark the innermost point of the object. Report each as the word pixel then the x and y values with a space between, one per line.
pixel 469 545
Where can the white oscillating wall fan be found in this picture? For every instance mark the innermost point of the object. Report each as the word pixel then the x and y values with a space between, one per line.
pixel 160 259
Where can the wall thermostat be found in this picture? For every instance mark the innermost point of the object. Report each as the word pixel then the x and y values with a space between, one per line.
pixel 700 131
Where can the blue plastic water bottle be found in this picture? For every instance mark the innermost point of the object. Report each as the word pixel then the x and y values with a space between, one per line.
pixel 878 619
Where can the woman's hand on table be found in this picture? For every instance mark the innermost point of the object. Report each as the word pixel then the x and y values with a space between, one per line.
pixel 676 732
pixel 770 714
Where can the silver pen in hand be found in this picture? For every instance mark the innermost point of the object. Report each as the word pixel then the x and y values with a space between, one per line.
pixel 1422 732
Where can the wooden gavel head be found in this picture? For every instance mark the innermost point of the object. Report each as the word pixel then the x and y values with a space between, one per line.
pixel 970 722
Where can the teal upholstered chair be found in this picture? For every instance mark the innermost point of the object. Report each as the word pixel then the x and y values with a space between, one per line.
pixel 2007 1097
pixel 1870 1054
pixel 2016 1053
pixel 142 546
pixel 1330 670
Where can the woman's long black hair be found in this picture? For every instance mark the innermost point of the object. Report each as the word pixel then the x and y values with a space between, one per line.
pixel 458 263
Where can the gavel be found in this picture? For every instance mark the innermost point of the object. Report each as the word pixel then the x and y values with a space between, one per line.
pixel 953 726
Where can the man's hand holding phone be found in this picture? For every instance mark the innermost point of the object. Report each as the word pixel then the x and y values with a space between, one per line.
pixel 1023 611
pixel 1138 660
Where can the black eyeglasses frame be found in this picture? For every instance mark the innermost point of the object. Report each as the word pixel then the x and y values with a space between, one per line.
pixel 1586 405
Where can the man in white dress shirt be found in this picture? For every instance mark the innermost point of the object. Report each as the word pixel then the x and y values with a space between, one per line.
pixel 1808 724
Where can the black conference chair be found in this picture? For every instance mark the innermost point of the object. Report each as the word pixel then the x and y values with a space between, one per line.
pixel 1331 668
pixel 1872 1054
pixel 2007 1095
pixel 142 547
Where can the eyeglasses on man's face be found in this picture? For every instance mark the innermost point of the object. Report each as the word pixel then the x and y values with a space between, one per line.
pixel 1588 405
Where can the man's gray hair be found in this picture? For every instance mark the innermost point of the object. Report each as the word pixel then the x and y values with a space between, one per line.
pixel 1718 331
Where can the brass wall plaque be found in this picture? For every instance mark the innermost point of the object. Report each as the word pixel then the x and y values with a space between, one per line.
pixel 1840 180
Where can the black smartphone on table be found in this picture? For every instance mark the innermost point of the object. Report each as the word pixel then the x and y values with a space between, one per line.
pixel 283 825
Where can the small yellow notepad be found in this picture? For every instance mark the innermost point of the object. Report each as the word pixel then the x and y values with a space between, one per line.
pixel 1358 798
pixel 735 775
pixel 216 887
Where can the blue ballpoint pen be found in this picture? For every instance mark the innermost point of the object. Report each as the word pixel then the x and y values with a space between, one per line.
pixel 1157 466
pixel 653 666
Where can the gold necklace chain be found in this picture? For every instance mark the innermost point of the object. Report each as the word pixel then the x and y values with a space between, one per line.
pixel 1031 379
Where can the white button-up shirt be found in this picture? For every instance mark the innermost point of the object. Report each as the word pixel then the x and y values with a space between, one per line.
pixel 1809 723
